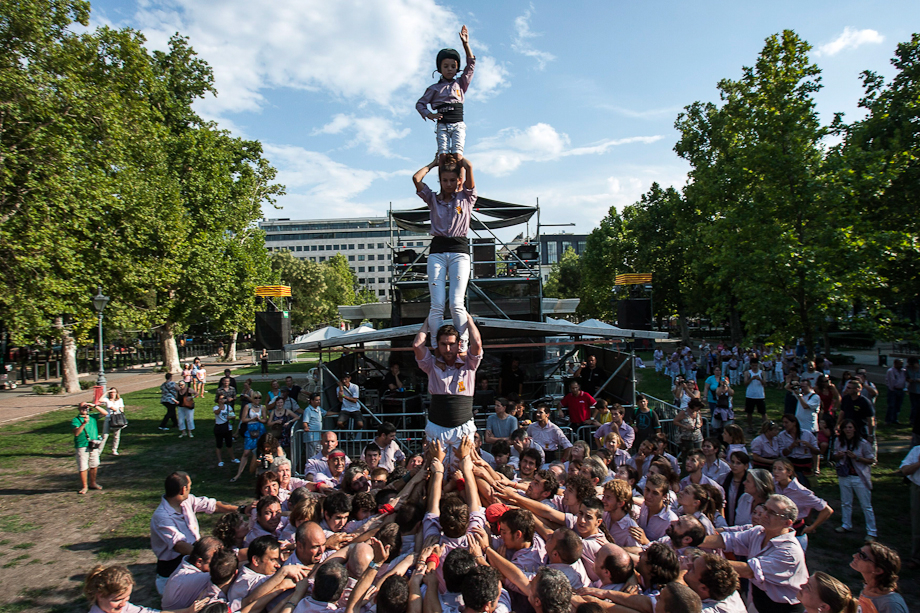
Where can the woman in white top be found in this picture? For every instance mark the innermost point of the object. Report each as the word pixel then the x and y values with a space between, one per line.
pixel 113 404
pixel 854 457
pixel 758 486
pixel 714 468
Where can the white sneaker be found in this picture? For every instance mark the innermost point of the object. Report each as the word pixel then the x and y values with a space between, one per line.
pixel 114 453
pixel 182 435
pixel 220 464
pixel 235 461
pixel 190 435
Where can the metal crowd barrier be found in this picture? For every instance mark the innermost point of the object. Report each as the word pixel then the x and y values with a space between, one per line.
pixel 352 442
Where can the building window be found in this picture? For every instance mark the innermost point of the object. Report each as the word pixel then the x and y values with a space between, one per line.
pixel 322 258
pixel 351 258
pixel 381 292
pixel 360 257
pixel 371 257
pixel 351 246
pixel 322 247
pixel 351 268
pixel 312 247
pixel 360 245
pixel 380 269
pixel 381 280
pixel 299 248
pixel 360 268
pixel 312 259
pixel 582 247
pixel 565 247
pixel 551 253
pixel 379 245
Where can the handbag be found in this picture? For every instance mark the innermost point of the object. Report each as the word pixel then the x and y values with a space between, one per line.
pixel 187 402
pixel 117 420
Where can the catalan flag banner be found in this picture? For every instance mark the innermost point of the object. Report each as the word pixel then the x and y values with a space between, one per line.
pixel 273 291
pixel 639 278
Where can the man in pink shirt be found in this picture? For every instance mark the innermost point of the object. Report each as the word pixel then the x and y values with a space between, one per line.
pixel 451 382
pixel 174 526
pixel 775 565
pixel 192 576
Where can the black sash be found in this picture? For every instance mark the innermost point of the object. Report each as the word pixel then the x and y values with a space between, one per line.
pixel 765 605
pixel 451 112
pixel 450 410
pixel 165 568
pixel 449 244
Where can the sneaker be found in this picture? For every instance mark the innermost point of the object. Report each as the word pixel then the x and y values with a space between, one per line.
pixel 841 530
pixel 870 539
pixel 235 461
pixel 114 453
pixel 182 435
pixel 190 435
pixel 220 465
pixel 164 429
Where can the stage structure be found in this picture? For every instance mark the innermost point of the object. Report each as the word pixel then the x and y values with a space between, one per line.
pixel 632 300
pixel 273 325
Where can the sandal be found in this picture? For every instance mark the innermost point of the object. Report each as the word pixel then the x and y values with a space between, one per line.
pixel 83 491
pixel 96 487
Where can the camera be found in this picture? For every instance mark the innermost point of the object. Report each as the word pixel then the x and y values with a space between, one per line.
pixel 263 462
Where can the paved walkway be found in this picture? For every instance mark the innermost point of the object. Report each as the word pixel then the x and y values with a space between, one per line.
pixel 21 403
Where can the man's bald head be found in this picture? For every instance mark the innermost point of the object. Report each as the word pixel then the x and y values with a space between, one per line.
pixel 678 598
pixel 309 542
pixel 359 558
pixel 613 565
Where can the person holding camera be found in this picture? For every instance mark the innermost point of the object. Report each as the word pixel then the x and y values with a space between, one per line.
pixel 87 443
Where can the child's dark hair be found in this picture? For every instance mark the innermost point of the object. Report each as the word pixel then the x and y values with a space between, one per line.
pixel 362 501
pixel 111 581
pixel 455 515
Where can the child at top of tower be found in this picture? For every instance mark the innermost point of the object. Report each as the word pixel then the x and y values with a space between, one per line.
pixel 446 98
pixel 449 253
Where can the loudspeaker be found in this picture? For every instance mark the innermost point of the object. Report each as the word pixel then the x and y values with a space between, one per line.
pixel 273 329
pixel 483 258
pixel 635 314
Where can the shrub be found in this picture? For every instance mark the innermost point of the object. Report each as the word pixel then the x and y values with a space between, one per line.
pixel 54 388
pixel 86 384
pixel 39 389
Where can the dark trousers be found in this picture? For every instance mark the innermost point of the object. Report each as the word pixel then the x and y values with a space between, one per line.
pixel 765 605
pixel 264 367
pixel 914 407
pixel 895 400
pixel 170 415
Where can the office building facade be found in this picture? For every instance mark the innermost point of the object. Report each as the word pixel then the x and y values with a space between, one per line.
pixel 366 242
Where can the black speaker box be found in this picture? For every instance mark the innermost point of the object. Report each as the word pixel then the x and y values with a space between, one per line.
pixel 273 329
pixel 635 314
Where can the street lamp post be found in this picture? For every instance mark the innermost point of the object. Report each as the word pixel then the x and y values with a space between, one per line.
pixel 99 302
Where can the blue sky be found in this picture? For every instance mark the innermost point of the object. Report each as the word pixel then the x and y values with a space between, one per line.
pixel 572 103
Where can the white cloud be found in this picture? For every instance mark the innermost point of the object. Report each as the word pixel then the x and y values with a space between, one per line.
pixel 522 37
pixel 489 79
pixel 504 153
pixel 318 186
pixel 374 134
pixel 850 38
pixel 357 50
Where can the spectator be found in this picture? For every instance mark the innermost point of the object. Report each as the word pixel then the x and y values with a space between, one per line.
pixel 896 381
pixel 87 444
pixel 192 576
pixel 805 500
pixel 113 404
pixel 578 403
pixel 186 398
pixel 909 468
pixel 253 420
pixel 169 398
pixel 351 409
pixel 879 566
pixel 758 486
pixel 689 423
pixel 763 448
pixel 263 360
pixel 313 415
pixel 754 394
pixel 854 457
pixel 109 591
pixel 500 425
pixel 590 376
pixel 646 421
pixel 824 593
pixel 546 434
pixel 223 436
pixel 391 455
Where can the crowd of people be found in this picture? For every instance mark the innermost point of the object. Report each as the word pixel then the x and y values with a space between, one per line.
pixel 522 518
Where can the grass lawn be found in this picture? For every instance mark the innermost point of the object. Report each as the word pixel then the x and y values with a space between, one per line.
pixel 304 362
pixel 829 551
pixel 50 536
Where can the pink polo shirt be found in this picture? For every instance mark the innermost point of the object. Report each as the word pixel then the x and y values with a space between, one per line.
pixel 168 526
pixel 778 564
pixel 184 585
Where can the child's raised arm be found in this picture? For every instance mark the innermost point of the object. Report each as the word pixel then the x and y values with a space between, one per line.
pixel 420 174
pixel 465 39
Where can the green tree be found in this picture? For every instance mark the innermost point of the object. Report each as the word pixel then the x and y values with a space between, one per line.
pixel 772 232
pixel 606 252
pixel 565 277
pixel 878 169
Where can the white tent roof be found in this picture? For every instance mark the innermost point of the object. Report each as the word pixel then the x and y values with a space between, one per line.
pixel 319 335
pixel 564 322
pixel 359 330
pixel 596 323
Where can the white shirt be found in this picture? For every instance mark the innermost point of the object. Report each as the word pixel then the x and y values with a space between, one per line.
pixel 390 455
pixel 808 418
pixel 912 458
pixel 184 585
pixel 755 387
pixel 732 604
pixel 349 405
pixel 246 581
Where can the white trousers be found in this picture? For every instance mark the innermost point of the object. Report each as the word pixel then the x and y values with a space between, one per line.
pixel 444 267
pixel 849 486
pixel 186 419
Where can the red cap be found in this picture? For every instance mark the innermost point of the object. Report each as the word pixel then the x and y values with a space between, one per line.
pixel 335 453
pixel 495 511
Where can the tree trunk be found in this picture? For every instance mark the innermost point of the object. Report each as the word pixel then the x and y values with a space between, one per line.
pixel 170 351
pixel 231 348
pixel 735 324
pixel 70 381
pixel 684 328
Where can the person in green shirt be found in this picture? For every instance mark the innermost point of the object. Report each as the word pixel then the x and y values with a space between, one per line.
pixel 86 442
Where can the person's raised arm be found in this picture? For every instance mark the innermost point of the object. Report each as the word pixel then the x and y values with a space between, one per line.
pixel 466 465
pixel 500 563
pixel 468 184
pixel 437 479
pixel 475 336
pixel 537 508
pixel 419 343
pixel 713 541
pixel 421 172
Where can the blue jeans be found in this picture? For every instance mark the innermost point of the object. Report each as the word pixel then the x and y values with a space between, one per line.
pixel 451 137
pixel 895 399
pixel 850 485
